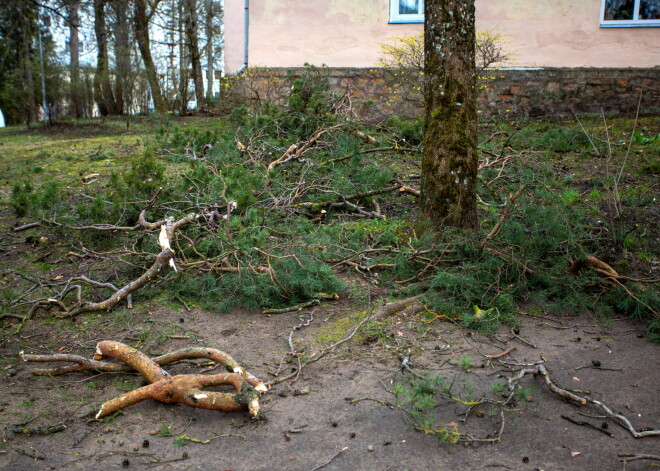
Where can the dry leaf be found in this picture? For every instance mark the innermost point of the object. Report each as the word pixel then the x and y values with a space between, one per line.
pixel 399 333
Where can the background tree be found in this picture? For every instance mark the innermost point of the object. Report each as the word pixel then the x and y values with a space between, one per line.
pixel 73 7
pixel 122 52
pixel 103 91
pixel 449 159
pixel 210 13
pixel 192 40
pixel 28 21
pixel 17 94
pixel 142 18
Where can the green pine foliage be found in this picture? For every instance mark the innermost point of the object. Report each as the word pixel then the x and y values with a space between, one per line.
pixel 292 219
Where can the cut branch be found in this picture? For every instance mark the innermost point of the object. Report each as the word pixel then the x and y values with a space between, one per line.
pixel 183 389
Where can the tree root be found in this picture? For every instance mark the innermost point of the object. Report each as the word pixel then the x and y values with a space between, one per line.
pixel 183 389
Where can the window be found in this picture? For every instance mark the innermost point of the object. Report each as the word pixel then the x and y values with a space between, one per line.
pixel 627 13
pixel 407 11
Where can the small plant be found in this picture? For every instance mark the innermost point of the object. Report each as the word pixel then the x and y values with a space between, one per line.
pixel 465 362
pixel 525 393
pixel 498 386
pixel 164 431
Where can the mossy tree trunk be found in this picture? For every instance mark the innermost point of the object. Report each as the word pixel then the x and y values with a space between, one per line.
pixel 449 160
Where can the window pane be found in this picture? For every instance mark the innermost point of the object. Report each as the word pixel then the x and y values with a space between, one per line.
pixel 619 9
pixel 409 7
pixel 649 10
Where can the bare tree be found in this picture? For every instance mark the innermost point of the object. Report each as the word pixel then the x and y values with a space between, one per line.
pixel 449 160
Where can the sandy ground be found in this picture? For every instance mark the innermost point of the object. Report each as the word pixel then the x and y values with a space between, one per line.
pixel 311 420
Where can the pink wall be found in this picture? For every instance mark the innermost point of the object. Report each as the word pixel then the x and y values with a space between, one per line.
pixel 234 35
pixel 348 33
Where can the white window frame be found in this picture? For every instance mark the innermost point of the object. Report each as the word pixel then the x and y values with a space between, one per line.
pixel 396 17
pixel 636 22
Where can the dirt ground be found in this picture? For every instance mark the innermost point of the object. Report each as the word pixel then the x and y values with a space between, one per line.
pixel 309 421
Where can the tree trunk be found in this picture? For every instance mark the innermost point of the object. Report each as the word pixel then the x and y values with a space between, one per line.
pixel 142 37
pixel 30 101
pixel 74 59
pixel 449 160
pixel 193 48
pixel 208 29
pixel 102 86
pixel 122 54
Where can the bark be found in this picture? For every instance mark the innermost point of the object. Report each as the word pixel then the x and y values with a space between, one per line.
pixel 449 159
pixel 142 37
pixel 103 92
pixel 192 40
pixel 74 58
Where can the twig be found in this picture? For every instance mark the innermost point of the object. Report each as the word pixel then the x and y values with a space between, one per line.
pixel 330 460
pixel 503 217
pixel 588 424
pixel 526 342
pixel 27 226
pixel 634 457
pixel 499 355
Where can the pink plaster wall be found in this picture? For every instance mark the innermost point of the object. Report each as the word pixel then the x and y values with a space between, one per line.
pixel 234 28
pixel 348 33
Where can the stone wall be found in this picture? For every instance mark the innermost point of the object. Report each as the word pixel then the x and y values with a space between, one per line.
pixel 518 93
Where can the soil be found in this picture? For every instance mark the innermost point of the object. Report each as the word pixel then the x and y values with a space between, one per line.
pixel 310 420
